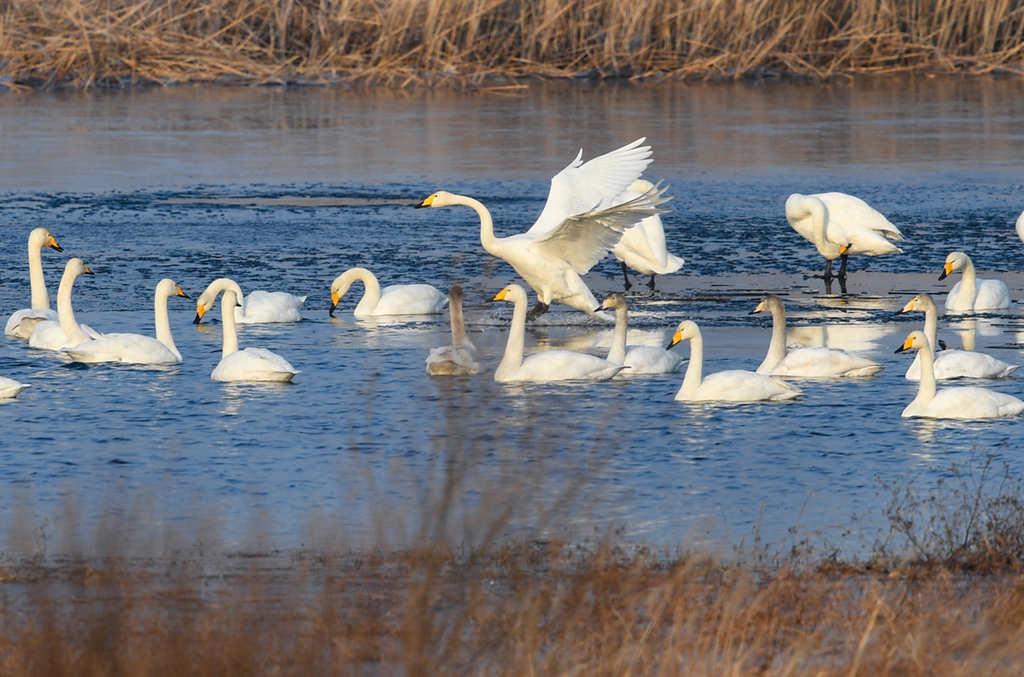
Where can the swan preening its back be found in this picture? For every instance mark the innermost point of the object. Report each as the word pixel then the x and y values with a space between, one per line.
pixel 806 362
pixel 951 363
pixel 250 364
pixel 733 385
pixel 398 299
pixel 579 224
pixel 637 359
pixel 259 307
pixel 971 295
pixel 959 403
pixel 136 348
pixel 460 358
pixel 17 326
pixel 549 365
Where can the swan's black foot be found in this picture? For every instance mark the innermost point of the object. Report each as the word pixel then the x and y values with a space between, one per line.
pixel 828 286
pixel 625 275
pixel 537 311
pixel 650 283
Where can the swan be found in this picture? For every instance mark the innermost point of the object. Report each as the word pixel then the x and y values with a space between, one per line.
pixel 66 332
pixel 550 365
pixel 806 362
pixel 398 299
pixel 580 223
pixel 10 388
pixel 642 247
pixel 733 385
pixel 136 348
pixel 951 363
pixel 460 358
pixel 962 403
pixel 1020 226
pixel 251 364
pixel 259 307
pixel 40 310
pixel 848 220
pixel 971 294
pixel 637 359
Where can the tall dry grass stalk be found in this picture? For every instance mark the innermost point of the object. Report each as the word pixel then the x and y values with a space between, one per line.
pixel 89 42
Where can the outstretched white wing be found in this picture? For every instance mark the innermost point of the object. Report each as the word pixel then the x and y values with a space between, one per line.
pixel 591 186
pixel 583 240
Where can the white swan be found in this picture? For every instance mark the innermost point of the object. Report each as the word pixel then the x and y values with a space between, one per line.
pixel 40 309
pixel 960 403
pixel 1020 226
pixel 550 365
pixel 460 358
pixel 259 307
pixel 637 359
pixel 972 294
pixel 848 220
pixel 951 363
pixel 809 362
pixel 733 385
pixel 10 388
pixel 136 348
pixel 66 332
pixel 642 247
pixel 251 364
pixel 580 223
pixel 397 299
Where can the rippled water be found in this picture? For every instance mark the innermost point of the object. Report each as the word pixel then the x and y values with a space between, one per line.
pixel 283 189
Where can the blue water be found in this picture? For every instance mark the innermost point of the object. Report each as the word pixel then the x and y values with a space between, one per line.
pixel 283 189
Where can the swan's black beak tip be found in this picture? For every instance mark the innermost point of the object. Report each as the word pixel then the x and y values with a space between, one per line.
pixel 198 320
pixel 943 275
pixel 333 307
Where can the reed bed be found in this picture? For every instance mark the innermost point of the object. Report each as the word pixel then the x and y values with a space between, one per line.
pixel 84 43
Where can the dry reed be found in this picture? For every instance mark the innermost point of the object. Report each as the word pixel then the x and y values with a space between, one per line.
pixel 401 42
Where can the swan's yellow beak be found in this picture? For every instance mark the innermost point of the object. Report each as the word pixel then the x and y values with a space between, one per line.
pixel 843 248
pixel 760 307
pixel 946 270
pixel 200 311
pixel 910 305
pixel 676 339
pixel 181 293
pixel 52 244
pixel 428 202
pixel 85 269
pixel 335 297
pixel 906 344
pixel 501 295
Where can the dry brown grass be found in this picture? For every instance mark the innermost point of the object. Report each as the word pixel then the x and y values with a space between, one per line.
pixel 398 42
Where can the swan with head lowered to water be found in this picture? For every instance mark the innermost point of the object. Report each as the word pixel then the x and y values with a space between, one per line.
pixel 250 364
pixel 460 358
pixel 137 348
pixel 549 365
pixel 259 307
pixel 967 403
pixel 809 362
pixel 23 322
pixel 580 223
pixel 732 385
pixel 397 299
pixel 951 363
pixel 637 359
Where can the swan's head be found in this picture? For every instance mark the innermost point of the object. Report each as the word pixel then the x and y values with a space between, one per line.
pixel 921 303
pixel 438 199
pixel 40 237
pixel 769 303
pixel 513 293
pixel 343 282
pixel 76 267
pixel 687 329
pixel 168 287
pixel 916 341
pixel 209 297
pixel 613 301
pixel 955 261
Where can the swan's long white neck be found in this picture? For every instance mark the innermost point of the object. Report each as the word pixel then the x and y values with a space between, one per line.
pixel 491 243
pixel 931 326
pixel 926 390
pixel 65 313
pixel 163 322
pixel 227 284
pixel 695 369
pixel 617 355
pixel 513 359
pixel 777 348
pixel 458 325
pixel 228 304
pixel 969 284
pixel 819 222
pixel 371 293
pixel 40 297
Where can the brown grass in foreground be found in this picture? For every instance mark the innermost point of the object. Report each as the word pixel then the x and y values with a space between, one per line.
pixel 88 42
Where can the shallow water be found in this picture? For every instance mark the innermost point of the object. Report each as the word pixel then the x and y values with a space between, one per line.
pixel 283 189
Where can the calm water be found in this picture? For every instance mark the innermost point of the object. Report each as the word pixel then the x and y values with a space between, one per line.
pixel 285 189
